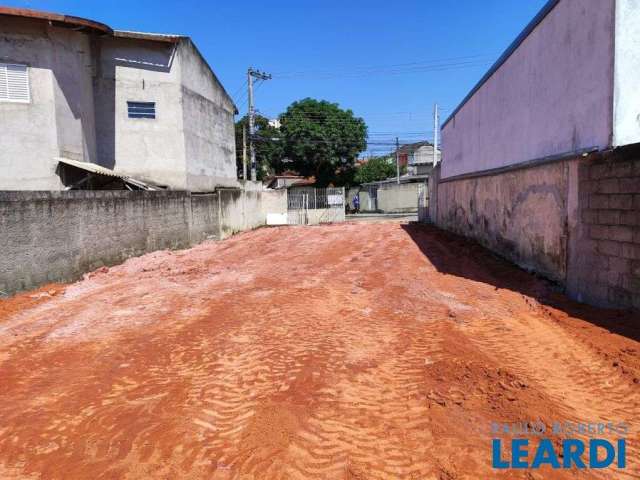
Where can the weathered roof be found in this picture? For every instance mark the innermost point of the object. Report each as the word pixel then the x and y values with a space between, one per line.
pixel 542 14
pixel 57 19
pixel 158 37
pixel 100 170
pixel 304 182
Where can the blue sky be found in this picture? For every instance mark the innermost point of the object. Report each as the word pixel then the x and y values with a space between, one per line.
pixel 387 61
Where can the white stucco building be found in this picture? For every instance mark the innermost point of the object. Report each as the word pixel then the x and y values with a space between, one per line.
pixel 141 105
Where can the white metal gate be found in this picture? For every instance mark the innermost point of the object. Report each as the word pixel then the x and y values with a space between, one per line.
pixel 297 207
pixel 313 206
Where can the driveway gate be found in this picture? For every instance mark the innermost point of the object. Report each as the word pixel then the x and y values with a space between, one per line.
pixel 313 206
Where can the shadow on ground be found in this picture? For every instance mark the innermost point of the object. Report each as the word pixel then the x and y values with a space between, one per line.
pixel 456 255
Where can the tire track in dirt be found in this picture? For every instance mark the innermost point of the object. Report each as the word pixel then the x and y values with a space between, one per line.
pixel 340 352
pixel 515 331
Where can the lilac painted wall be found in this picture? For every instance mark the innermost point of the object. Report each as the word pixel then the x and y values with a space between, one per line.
pixel 553 95
pixel 626 104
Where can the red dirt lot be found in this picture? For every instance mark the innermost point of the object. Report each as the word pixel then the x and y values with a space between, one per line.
pixel 353 351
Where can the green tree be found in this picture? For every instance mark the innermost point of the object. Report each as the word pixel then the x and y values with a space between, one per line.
pixel 376 169
pixel 321 139
pixel 269 147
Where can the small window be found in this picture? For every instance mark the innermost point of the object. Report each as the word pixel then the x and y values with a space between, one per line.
pixel 14 83
pixel 141 109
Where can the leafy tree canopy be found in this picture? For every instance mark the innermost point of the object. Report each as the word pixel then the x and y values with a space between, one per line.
pixel 376 169
pixel 321 139
pixel 268 143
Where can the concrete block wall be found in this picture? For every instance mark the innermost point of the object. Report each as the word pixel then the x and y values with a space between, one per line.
pixel 58 236
pixel 388 197
pixel 609 201
pixel 205 223
pixel 248 208
pixel 394 198
pixel 274 201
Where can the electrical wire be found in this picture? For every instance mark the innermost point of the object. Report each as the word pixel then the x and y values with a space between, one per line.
pixel 437 63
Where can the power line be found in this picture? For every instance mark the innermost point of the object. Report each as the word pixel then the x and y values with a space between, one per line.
pixel 339 117
pixel 371 114
pixel 330 142
pixel 240 90
pixel 395 72
pixel 336 119
pixel 415 64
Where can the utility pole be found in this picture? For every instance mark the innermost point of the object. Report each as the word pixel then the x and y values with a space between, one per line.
pixel 398 161
pixel 244 152
pixel 436 129
pixel 251 74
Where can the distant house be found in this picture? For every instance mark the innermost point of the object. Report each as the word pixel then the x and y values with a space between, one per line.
pixel 287 180
pixel 417 157
pixel 80 100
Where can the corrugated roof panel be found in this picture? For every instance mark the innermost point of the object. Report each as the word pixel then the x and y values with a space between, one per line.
pixel 100 170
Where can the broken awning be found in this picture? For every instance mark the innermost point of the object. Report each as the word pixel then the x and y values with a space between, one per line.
pixel 100 170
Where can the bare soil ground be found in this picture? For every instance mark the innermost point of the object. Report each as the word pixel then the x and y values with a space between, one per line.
pixel 354 351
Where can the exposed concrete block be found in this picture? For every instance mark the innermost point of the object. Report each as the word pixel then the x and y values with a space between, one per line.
pixel 619 265
pixel 622 169
pixel 631 250
pixel 629 185
pixel 634 285
pixel 610 185
pixel 630 218
pixel 607 247
pixel 608 217
pixel 599 201
pixel 622 202
pixel 636 235
pixel 599 232
pixel 599 171
pixel 614 279
pixel 635 268
pixel 597 262
pixel 636 202
pixel 620 233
